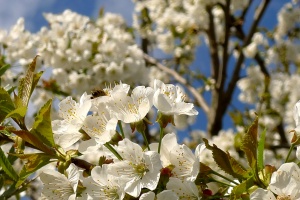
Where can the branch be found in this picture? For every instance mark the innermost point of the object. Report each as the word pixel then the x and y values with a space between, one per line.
pixel 181 80
pixel 262 65
pixel 235 77
pixel 245 11
pixel 223 67
pixel 211 34
pixel 82 164
pixel 257 17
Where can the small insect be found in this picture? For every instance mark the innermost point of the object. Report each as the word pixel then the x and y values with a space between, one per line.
pixel 98 93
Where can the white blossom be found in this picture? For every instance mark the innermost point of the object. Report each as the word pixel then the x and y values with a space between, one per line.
pixel 140 169
pixel 102 185
pixel 169 100
pixel 66 131
pixel 58 186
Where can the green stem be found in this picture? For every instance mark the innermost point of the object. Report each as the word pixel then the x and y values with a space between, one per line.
pixel 111 148
pixel 228 179
pixel 290 151
pixel 121 129
pixel 161 134
pixel 222 183
pixel 145 139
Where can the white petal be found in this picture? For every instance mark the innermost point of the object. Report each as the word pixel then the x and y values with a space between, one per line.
pixel 148 196
pixel 130 151
pixel 73 176
pixel 282 183
pixel 298 152
pixel 186 189
pixel 133 187
pixel 292 168
pixel 88 146
pixel 161 102
pixel 169 141
pixel 65 134
pixel 167 194
pixel 297 113
pixel 261 194
pixel 56 185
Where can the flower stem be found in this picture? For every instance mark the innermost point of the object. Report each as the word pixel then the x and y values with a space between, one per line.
pixel 145 139
pixel 289 153
pixel 222 183
pixel 111 148
pixel 220 175
pixel 121 129
pixel 161 134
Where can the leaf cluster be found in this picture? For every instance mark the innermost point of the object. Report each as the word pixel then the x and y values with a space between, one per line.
pixel 13 106
pixel 245 178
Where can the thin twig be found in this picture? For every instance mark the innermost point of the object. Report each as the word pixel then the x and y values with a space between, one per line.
pixel 181 80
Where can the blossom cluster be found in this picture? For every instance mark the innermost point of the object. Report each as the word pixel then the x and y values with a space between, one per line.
pixel 79 50
pixel 176 26
pixel 159 170
pixel 274 94
pixel 283 96
pixel 122 165
pixel 131 169
pixel 284 182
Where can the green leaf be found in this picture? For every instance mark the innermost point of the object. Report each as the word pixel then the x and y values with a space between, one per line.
pixel 242 188
pixel 227 163
pixel 1 182
pixel 35 141
pixel 4 68
pixel 260 151
pixel 11 158
pixel 203 174
pixel 36 78
pixel 28 83
pixel 18 114
pixel 34 162
pixel 6 130
pixel 11 89
pixel 249 144
pixel 7 167
pixel 237 167
pixel 42 128
pixel 6 104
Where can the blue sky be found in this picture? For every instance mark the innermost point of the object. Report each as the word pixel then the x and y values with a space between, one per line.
pixel 31 10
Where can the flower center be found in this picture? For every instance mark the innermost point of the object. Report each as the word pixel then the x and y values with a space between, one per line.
pixel 111 192
pixel 141 169
pixel 280 197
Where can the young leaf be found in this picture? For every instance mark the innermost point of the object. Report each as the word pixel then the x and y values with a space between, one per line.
pixel 249 144
pixel 18 113
pixel 6 104
pixel 42 128
pixel 10 157
pixel 3 69
pixel 203 174
pixel 26 84
pixel 7 167
pixel 242 188
pixel 260 151
pixel 36 78
pixel 35 141
pixel 34 162
pixel 227 163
